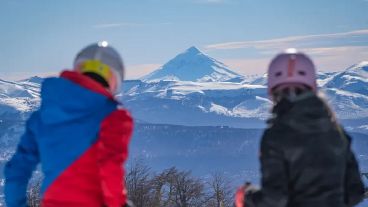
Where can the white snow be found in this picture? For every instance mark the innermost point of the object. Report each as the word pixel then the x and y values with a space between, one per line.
pixel 257 107
pixel 260 80
pixel 363 127
pixel 348 105
pixel 204 89
pixel 14 89
pixel 353 79
pixel 199 85
pixel 324 78
pixel 18 96
pixel 18 104
pixel 219 109
pixel 193 65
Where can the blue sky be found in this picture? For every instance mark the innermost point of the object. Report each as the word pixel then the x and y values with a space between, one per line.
pixel 41 37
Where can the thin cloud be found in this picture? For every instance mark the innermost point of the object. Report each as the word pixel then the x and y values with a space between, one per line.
pixel 358 37
pixel 325 59
pixel 211 1
pixel 113 25
pixel 338 58
pixel 126 24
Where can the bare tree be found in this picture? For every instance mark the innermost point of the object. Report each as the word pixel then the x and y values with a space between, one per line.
pixel 139 184
pixel 170 188
pixel 178 188
pixel 163 185
pixel 189 190
pixel 220 191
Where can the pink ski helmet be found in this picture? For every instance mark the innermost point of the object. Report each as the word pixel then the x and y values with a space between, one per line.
pixel 291 67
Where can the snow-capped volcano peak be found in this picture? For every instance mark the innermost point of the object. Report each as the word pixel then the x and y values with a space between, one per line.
pixel 193 50
pixel 193 65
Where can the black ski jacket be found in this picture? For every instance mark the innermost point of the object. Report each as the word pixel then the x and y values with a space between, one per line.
pixel 306 159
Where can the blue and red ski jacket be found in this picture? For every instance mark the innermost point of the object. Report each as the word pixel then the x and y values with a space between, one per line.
pixel 80 136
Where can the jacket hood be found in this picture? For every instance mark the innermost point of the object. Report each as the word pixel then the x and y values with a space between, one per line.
pixel 64 100
pixel 306 113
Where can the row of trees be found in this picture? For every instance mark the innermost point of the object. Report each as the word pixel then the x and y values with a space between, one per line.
pixel 173 187
pixel 170 188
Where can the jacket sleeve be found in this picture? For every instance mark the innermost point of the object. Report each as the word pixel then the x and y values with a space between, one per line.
pixel 274 190
pixel 114 138
pixel 19 169
pixel 354 188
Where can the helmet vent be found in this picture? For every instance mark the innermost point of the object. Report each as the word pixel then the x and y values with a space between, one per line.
pixel 302 73
pixel 278 74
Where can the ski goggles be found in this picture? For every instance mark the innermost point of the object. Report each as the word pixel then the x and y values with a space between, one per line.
pixel 97 67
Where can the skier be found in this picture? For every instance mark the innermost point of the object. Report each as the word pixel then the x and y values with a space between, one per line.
pixel 80 135
pixel 306 158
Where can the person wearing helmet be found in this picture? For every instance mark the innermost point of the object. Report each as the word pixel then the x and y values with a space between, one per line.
pixel 306 157
pixel 79 135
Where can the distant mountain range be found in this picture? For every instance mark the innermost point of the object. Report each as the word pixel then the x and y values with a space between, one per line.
pixel 171 95
pixel 193 65
pixel 187 111
pixel 194 89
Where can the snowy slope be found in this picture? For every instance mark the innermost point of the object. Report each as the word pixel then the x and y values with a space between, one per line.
pixel 32 80
pixel 348 105
pixel 17 101
pixel 322 78
pixel 241 104
pixel 18 96
pixel 198 103
pixel 193 65
pixel 353 79
pixel 16 104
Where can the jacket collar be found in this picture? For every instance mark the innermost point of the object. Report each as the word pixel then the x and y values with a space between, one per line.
pixel 86 82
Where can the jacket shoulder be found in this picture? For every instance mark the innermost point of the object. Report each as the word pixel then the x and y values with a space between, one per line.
pixel 119 115
pixel 33 120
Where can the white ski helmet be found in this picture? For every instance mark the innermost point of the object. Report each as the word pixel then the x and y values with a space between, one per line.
pixel 103 60
pixel 291 67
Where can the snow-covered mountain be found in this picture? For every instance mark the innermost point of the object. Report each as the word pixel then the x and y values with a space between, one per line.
pixel 33 80
pixel 17 101
pixel 195 90
pixel 193 65
pixel 198 103
pixel 354 79
pixel 18 96
pixel 241 104
pixel 347 91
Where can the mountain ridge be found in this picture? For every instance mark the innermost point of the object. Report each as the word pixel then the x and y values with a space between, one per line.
pixel 242 103
pixel 193 65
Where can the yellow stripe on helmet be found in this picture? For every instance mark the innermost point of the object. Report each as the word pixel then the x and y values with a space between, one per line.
pixel 96 66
